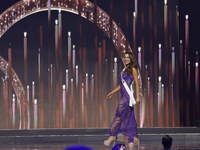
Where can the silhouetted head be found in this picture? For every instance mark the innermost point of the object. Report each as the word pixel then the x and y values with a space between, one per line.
pixel 167 142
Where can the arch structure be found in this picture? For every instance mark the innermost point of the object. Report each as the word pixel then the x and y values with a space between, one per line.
pixel 85 8
pixel 19 91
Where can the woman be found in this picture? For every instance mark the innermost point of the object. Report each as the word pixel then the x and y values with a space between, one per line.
pixel 124 121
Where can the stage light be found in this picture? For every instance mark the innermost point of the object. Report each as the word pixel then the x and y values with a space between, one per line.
pixel 139 49
pixel 134 14
pixel 64 87
pixel 165 2
pixel 172 49
pixel 59 10
pixel 13 99
pixel 196 64
pixel 186 17
pixel 115 59
pixel 159 45
pixel 159 78
pixel 56 22
pixel 162 85
pixel 25 34
pixel 35 101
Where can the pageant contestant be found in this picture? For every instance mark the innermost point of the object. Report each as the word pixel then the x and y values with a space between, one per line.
pixel 124 121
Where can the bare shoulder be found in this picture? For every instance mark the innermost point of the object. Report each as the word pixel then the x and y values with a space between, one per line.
pixel 134 70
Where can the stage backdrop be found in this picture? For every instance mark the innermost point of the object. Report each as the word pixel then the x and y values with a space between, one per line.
pixel 67 64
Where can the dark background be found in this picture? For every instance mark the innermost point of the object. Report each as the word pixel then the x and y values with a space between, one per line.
pixel 191 8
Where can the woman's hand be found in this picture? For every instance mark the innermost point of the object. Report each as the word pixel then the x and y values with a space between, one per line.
pixel 137 100
pixel 110 95
pixel 113 91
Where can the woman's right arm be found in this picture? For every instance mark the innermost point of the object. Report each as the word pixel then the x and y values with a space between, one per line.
pixel 113 91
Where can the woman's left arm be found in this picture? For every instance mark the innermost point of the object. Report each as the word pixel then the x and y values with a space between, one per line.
pixel 135 76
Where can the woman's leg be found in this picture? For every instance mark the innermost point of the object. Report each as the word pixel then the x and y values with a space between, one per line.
pixel 120 112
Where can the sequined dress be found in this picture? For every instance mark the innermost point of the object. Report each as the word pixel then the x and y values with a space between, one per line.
pixel 124 121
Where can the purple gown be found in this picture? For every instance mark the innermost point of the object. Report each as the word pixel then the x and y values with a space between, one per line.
pixel 124 121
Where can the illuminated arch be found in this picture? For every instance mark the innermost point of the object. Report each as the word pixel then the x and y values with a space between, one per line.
pixel 19 91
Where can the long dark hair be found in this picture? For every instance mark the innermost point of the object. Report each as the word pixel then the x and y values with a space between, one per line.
pixel 132 64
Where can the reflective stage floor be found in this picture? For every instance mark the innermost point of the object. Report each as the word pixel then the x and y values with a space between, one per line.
pixel 59 139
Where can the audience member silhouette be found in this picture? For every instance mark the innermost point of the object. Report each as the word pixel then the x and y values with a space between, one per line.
pixel 167 142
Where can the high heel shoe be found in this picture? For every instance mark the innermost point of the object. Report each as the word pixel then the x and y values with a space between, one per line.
pixel 109 141
pixel 136 142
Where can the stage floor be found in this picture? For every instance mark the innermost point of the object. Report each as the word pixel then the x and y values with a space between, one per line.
pixel 59 139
